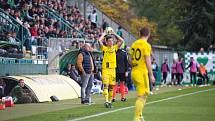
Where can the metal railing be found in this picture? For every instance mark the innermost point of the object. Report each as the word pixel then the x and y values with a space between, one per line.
pixel 22 32
pixel 65 24
pixel 7 24
pixel 57 48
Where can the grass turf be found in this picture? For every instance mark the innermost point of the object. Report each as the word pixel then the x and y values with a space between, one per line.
pixel 195 107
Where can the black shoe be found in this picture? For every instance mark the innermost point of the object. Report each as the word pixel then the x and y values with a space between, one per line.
pixel 82 102
pixel 123 99
pixel 110 105
pixel 106 105
pixel 113 100
pixel 85 102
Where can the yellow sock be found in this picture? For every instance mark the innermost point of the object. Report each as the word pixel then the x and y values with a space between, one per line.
pixel 105 93
pixel 139 105
pixel 110 94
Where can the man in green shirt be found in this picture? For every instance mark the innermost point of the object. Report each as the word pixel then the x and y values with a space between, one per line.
pixel 19 94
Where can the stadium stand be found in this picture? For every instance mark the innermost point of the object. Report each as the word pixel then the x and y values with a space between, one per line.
pixel 43 19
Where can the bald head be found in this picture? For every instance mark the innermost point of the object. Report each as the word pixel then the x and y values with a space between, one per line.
pixel 87 46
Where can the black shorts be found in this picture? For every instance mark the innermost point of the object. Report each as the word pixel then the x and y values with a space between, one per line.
pixel 164 75
pixel 174 75
pixel 120 77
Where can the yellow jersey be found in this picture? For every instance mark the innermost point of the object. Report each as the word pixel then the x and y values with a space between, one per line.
pixel 139 49
pixel 109 56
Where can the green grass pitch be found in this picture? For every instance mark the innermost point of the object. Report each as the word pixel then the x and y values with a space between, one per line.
pixel 194 107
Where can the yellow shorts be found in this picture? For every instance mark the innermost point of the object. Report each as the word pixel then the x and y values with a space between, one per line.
pixel 109 76
pixel 141 82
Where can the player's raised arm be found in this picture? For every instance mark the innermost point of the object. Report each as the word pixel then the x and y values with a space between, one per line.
pixel 101 39
pixel 120 40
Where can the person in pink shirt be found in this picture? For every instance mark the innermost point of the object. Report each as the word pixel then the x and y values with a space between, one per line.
pixel 193 70
pixel 179 70
pixel 164 70
pixel 174 73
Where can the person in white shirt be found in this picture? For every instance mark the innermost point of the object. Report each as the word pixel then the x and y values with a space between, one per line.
pixel 93 19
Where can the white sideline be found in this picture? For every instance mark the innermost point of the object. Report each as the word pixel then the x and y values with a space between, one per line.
pixel 152 102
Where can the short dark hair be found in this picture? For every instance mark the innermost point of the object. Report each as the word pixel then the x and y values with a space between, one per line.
pixel 144 32
pixel 21 80
pixel 108 37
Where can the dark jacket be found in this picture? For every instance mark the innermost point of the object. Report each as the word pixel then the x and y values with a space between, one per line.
pixel 86 61
pixel 122 61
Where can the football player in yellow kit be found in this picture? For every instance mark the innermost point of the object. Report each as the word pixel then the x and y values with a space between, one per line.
pixel 140 59
pixel 109 63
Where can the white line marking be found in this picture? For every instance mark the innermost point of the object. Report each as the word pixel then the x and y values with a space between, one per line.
pixel 170 98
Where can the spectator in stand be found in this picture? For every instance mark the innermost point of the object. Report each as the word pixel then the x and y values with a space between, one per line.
pixel 40 12
pixel 104 24
pixel 26 25
pixel 12 39
pixel 202 50
pixel 75 35
pixel 2 88
pixel 74 45
pixel 203 73
pixel 93 19
pixel 32 12
pixel 3 3
pixel 2 52
pixel 211 48
pixel 57 25
pixel 40 31
pixel 174 73
pixel 52 31
pixel 25 14
pixel 27 43
pixel 12 12
pixel 7 10
pixel 81 44
pixel 46 31
pixel 164 70
pixel 9 36
pixel 180 71
pixel 193 70
pixel 119 31
pixel 11 3
pixel 17 17
pixel 34 34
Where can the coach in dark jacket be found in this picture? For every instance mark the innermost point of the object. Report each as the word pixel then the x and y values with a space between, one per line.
pixel 86 68
pixel 121 72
